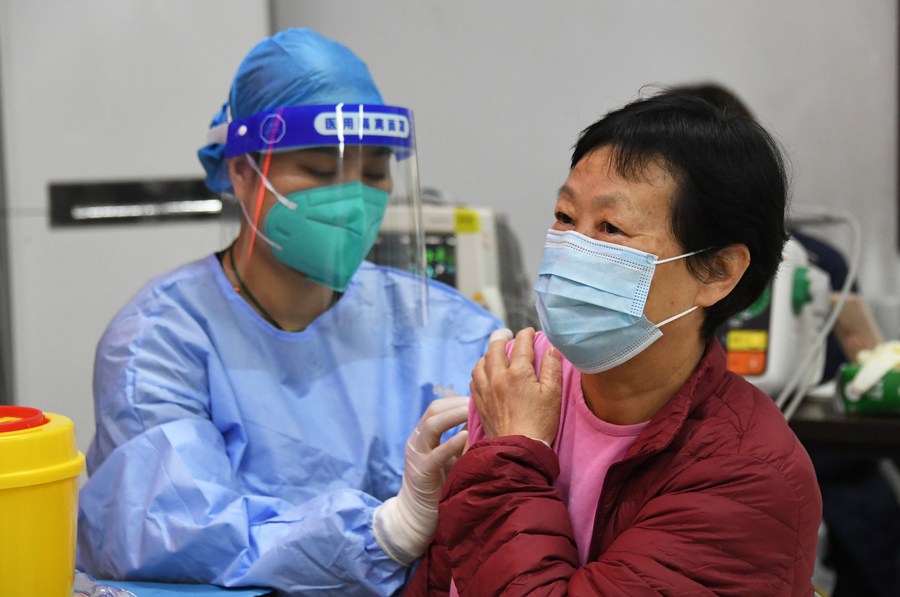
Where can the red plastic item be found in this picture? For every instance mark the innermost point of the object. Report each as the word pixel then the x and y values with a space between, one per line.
pixel 16 418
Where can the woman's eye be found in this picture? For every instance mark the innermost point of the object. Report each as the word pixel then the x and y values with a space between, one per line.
pixel 563 218
pixel 608 228
pixel 319 173
pixel 376 176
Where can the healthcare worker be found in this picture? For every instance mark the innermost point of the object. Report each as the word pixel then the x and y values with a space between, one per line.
pixel 253 407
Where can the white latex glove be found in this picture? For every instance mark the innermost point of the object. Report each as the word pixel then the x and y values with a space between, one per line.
pixel 405 523
pixel 502 334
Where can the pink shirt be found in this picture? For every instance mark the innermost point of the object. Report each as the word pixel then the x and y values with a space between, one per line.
pixel 585 445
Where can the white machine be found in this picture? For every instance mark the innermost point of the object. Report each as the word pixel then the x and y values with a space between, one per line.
pixel 469 248
pixel 775 343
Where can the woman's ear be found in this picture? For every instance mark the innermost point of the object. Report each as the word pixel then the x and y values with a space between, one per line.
pixel 243 177
pixel 723 273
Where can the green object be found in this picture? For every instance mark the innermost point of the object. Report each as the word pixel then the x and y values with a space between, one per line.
pixel 759 306
pixel 326 232
pixel 800 294
pixel 883 397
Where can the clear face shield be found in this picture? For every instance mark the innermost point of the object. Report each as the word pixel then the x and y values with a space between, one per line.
pixel 342 185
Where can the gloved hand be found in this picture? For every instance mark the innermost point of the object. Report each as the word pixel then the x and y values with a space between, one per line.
pixel 502 334
pixel 404 524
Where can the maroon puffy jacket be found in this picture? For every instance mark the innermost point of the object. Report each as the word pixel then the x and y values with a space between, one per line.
pixel 715 497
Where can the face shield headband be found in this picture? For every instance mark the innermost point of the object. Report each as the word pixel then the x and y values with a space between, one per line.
pixel 337 125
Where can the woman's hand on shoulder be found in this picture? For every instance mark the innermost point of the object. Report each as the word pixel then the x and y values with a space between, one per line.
pixel 511 398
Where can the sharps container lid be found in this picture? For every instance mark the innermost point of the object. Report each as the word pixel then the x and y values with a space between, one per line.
pixel 14 418
pixel 36 447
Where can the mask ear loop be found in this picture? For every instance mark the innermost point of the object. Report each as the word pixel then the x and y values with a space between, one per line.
pixel 686 311
pixel 676 316
pixel 264 178
pixel 244 259
pixel 259 201
pixel 265 181
pixel 682 256
pixel 251 222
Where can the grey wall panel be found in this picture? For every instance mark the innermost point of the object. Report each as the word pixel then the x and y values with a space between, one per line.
pixel 93 91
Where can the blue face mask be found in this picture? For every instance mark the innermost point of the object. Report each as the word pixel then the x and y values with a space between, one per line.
pixel 591 297
pixel 325 232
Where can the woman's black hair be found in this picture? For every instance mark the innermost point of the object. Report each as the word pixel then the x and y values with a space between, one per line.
pixel 731 186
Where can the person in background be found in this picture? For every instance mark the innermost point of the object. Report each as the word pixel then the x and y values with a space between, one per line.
pixel 613 453
pixel 253 407
pixel 860 508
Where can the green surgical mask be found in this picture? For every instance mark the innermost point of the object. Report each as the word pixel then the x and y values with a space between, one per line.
pixel 325 232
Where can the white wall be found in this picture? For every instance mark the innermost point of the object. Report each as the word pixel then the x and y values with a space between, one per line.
pixel 501 88
pixel 102 90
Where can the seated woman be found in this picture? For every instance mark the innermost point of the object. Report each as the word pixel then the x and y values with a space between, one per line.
pixel 614 453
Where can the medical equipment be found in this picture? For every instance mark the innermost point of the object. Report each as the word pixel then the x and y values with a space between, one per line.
pixel 872 385
pixel 472 249
pixel 778 343
pixel 766 341
pixel 39 468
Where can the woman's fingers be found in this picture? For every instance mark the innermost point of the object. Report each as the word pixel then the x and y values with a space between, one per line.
pixel 523 348
pixel 551 370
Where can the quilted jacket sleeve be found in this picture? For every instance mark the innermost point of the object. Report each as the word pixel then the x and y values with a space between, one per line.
pixel 505 531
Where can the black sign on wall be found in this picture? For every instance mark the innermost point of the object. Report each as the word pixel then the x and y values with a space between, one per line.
pixel 131 202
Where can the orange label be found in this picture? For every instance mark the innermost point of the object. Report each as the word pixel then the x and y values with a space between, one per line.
pixel 747 363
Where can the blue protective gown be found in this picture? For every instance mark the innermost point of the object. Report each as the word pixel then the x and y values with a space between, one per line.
pixel 233 453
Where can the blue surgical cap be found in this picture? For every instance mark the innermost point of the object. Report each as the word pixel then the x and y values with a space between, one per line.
pixel 294 67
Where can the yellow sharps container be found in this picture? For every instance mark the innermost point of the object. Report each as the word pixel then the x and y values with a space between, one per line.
pixel 39 468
